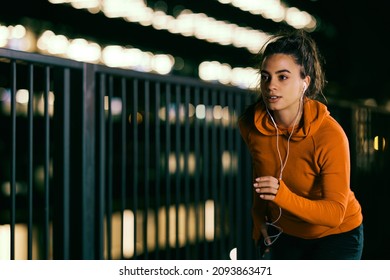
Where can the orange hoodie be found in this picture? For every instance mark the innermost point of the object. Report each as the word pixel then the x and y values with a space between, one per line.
pixel 314 196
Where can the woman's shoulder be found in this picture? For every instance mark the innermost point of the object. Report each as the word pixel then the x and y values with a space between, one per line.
pixel 321 117
pixel 332 133
pixel 332 125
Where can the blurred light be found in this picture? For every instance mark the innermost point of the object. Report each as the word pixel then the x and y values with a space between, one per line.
pixel 209 222
pixel 371 102
pixel 240 77
pixel 84 4
pixel 298 19
pixel 22 96
pixel 41 104
pixel 117 56
pixel 82 50
pixel 15 37
pixel 18 31
pixel 162 64
pixel 58 1
pixel 4 32
pixel 273 11
pixel 177 235
pixel 160 20
pixel 226 114
pixel 387 105
pixel 233 254
pixel 20 188
pixel 112 56
pixel 139 118
pixel 200 111
pixel 171 113
pixel 186 23
pixel 379 143
pixel 277 11
pixel 116 105
pixel 229 162
pixel 128 233
pixel 192 223
pixel 208 70
pixel 217 112
pixel 245 77
pixel 178 166
pixel 53 44
pixel 20 242
pixel 191 110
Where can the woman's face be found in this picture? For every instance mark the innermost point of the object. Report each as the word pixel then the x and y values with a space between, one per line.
pixel 281 84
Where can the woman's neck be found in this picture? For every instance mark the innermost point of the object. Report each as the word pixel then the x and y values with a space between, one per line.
pixel 286 119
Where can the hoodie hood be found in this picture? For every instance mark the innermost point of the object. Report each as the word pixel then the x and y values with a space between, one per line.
pixel 314 112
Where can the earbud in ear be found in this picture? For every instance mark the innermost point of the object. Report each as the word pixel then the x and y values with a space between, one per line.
pixel 303 91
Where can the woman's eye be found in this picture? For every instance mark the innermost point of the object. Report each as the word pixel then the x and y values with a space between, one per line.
pixel 264 78
pixel 282 77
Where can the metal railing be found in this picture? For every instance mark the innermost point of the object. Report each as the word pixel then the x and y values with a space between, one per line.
pixel 102 163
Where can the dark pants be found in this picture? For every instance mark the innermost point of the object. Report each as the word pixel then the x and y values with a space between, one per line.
pixel 343 246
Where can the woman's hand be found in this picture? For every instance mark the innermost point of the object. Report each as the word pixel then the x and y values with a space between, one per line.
pixel 267 242
pixel 264 233
pixel 267 187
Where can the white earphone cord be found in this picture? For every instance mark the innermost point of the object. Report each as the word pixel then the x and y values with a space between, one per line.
pixel 282 166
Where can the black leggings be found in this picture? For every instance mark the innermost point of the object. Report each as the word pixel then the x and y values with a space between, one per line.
pixel 343 246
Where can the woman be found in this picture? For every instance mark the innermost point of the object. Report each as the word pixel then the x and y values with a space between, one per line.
pixel 303 206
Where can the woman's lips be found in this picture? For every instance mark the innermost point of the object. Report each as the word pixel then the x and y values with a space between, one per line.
pixel 273 99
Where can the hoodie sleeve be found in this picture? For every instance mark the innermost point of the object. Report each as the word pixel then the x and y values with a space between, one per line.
pixel 332 156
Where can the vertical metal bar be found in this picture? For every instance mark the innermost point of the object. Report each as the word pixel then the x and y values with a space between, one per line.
pixel 13 160
pixel 222 182
pixel 123 158
pixel 67 152
pixel 239 185
pixel 146 167
pixel 109 167
pixel 206 168
pixel 30 118
pixel 88 163
pixel 167 171
pixel 101 204
pixel 46 232
pixel 135 161
pixel 214 175
pixel 157 182
pixel 186 171
pixel 232 170
pixel 178 167
pixel 197 175
pixel 60 182
pixel 66 166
